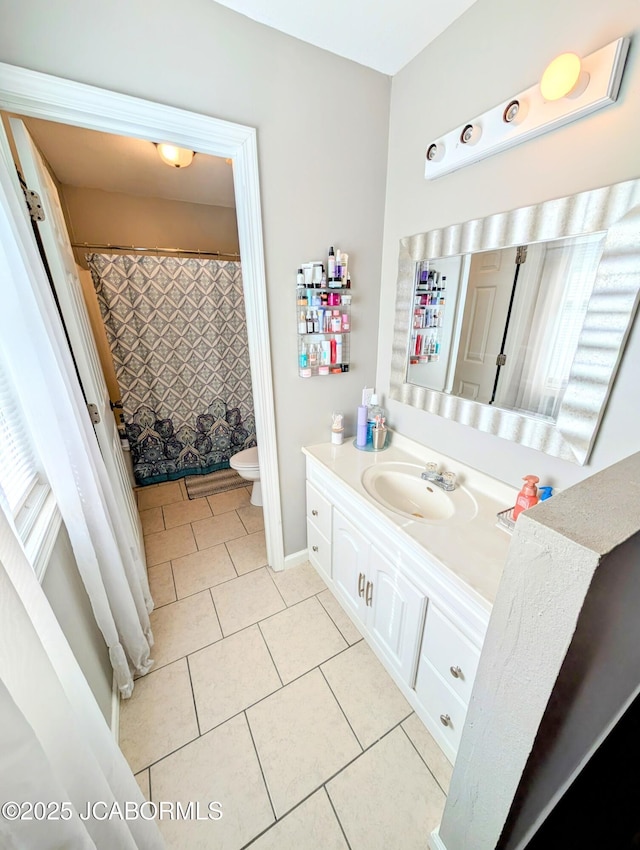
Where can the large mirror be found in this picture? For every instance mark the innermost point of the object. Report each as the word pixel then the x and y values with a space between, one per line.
pixel 515 324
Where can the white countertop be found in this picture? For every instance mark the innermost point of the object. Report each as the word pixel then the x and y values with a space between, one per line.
pixel 474 552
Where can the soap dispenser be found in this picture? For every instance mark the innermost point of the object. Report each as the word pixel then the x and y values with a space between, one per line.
pixel 528 496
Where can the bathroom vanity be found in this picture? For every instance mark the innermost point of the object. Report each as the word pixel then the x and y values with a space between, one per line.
pixel 415 568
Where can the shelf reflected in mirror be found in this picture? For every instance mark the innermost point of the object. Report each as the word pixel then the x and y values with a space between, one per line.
pixel 530 357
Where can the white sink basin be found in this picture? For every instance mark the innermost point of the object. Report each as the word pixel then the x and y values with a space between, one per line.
pixel 399 488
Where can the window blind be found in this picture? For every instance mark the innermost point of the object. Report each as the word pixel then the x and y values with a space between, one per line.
pixel 18 470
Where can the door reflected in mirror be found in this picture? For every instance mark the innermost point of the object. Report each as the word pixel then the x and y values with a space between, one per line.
pixel 502 327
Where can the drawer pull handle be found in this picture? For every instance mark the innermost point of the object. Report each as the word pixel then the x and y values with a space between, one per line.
pixel 456 672
pixel 369 594
pixel 445 720
pixel 314 513
pixel 315 548
pixel 360 584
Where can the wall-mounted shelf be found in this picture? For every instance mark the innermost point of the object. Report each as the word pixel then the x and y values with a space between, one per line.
pixel 324 328
pixel 429 304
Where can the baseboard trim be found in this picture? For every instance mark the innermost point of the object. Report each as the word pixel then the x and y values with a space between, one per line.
pixel 435 842
pixel 115 710
pixel 296 559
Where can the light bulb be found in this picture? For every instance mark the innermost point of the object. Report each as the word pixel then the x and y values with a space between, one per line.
pixel 561 76
pixel 174 156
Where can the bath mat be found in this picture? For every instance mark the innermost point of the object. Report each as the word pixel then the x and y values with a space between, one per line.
pixel 199 486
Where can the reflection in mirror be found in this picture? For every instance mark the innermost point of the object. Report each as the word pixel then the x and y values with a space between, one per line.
pixel 502 327
pixel 525 351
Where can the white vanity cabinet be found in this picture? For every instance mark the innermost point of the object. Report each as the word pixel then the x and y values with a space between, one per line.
pixel 422 624
pixel 319 531
pixel 375 592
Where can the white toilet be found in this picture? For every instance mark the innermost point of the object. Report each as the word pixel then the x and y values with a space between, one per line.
pixel 246 465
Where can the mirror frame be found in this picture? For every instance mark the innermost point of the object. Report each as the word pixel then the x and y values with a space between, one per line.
pixel 612 306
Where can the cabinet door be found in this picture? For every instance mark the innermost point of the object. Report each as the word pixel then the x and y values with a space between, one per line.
pixel 394 615
pixel 350 550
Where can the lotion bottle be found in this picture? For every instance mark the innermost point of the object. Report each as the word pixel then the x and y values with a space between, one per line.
pixel 528 496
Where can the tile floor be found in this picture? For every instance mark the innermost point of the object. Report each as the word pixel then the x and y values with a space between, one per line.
pixel 265 698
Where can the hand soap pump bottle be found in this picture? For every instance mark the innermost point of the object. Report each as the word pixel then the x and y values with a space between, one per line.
pixel 528 496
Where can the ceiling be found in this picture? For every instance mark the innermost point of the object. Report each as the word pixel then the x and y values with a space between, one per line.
pixel 96 160
pixel 382 35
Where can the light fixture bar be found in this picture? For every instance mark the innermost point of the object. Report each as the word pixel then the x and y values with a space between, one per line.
pixel 492 132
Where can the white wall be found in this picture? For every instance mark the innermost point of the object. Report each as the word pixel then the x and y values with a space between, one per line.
pixel 496 49
pixel 322 126
pixel 68 598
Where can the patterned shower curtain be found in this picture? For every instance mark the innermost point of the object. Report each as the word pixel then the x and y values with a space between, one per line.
pixel 178 336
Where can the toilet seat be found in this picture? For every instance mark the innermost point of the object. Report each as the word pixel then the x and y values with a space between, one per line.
pixel 246 459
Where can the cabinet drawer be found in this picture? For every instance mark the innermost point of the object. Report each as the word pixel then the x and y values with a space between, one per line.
pixel 319 550
pixel 451 654
pixel 319 511
pixel 446 711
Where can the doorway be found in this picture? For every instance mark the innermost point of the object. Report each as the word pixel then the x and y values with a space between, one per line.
pixel 41 96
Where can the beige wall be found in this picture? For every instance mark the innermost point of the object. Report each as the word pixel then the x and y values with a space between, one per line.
pixel 495 50
pixel 112 218
pixel 322 125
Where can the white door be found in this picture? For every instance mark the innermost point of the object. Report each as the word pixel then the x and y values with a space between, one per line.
pixel 485 313
pixel 395 614
pixel 68 290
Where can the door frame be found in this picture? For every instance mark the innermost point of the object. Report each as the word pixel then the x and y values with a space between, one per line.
pixel 38 95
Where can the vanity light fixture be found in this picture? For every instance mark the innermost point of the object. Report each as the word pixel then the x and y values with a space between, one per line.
pixel 174 156
pixel 569 89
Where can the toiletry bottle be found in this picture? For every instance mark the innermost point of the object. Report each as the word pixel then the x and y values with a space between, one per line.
pixel 338 350
pixel 373 410
pixel 361 430
pixel 302 323
pixel 304 357
pixel 300 278
pixel 528 496
pixel 331 266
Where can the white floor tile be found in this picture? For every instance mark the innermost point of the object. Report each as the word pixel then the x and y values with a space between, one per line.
pixel 300 638
pixel 161 584
pixel 155 497
pixel 436 760
pixel 202 569
pixel 387 798
pixel 162 546
pixel 312 826
pixel 217 529
pixel 252 518
pixel 359 681
pixel 221 503
pixel 302 739
pixel 248 553
pixel 222 767
pixel 245 600
pixel 183 627
pixel 231 675
pixel 342 620
pixel 159 717
pixel 298 583
pixel 181 513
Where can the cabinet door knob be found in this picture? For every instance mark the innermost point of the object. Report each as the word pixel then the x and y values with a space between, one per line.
pixel 315 549
pixel 360 584
pixel 314 512
pixel 456 672
pixel 445 720
pixel 369 593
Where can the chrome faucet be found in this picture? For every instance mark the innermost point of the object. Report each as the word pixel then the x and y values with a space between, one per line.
pixel 444 480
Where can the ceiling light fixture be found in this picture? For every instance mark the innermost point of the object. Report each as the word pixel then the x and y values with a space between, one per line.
pixel 570 88
pixel 174 156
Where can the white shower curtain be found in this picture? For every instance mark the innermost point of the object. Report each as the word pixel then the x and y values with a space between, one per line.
pixel 39 360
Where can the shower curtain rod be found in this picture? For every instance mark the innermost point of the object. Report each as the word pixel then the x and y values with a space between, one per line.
pixel 157 250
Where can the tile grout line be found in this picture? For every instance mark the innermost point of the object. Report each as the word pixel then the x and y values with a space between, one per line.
pixel 344 714
pixel 215 611
pixel 317 595
pixel 336 816
pixel 273 661
pixel 264 779
pixel 193 697
pixel 424 761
